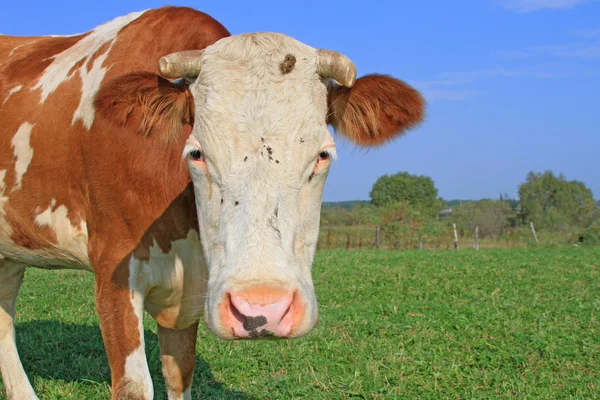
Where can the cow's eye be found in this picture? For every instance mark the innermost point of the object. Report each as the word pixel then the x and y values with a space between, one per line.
pixel 323 158
pixel 324 155
pixel 196 155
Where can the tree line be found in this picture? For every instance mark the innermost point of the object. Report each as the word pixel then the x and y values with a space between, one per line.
pixel 407 209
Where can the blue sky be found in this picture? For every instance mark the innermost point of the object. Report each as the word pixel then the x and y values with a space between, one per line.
pixel 511 85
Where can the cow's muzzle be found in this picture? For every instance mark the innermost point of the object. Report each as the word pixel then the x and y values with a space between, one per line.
pixel 261 312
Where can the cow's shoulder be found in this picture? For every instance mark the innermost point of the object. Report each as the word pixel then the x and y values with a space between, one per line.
pixel 159 32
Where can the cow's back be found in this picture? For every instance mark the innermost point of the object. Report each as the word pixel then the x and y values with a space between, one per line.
pixel 47 87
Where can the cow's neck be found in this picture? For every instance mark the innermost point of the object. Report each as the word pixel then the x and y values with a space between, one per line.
pixel 140 194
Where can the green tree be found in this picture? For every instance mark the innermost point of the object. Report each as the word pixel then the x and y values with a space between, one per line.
pixel 415 190
pixel 554 202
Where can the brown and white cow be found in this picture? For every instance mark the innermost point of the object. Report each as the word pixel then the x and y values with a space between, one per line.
pixel 185 197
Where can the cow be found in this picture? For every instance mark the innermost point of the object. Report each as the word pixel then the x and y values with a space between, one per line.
pixel 184 167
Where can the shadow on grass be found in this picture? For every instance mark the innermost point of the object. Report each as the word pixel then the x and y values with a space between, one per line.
pixel 75 353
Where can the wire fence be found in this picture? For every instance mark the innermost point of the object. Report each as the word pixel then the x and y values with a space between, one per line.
pixel 448 238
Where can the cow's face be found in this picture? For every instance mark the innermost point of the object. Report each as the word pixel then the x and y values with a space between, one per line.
pixel 258 155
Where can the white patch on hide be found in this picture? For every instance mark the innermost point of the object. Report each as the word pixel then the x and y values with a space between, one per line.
pixel 71 239
pixel 11 92
pixel 22 151
pixel 137 372
pixel 2 184
pixel 136 366
pixel 19 46
pixel 69 35
pixel 175 281
pixel 91 83
pixel 57 72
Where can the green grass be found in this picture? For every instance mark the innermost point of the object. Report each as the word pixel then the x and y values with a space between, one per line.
pixel 489 324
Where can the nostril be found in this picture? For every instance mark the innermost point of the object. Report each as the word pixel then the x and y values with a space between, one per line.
pixel 234 311
pixel 289 307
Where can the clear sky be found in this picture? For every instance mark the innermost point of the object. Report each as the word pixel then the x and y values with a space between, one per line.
pixel 511 85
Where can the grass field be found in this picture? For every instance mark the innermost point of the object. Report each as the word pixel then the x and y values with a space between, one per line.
pixel 393 324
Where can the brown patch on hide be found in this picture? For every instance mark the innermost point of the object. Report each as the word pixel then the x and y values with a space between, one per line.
pixel 288 63
pixel 174 224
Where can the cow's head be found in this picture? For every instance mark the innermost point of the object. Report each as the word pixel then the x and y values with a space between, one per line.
pixel 258 156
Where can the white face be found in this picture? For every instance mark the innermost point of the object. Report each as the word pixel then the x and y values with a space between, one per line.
pixel 259 154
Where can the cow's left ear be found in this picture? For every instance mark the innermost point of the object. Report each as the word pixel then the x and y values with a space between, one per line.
pixel 375 110
pixel 147 104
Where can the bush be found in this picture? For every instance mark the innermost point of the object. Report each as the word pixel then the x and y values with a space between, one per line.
pixel 591 235
pixel 401 225
pixel 492 216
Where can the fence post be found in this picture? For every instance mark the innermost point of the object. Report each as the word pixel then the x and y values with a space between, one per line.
pixel 477 237
pixel 377 237
pixel 533 231
pixel 348 242
pixel 455 237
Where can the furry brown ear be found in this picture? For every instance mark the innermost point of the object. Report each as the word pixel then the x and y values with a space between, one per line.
pixel 147 104
pixel 375 110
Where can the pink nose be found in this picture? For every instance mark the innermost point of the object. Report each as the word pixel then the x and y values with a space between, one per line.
pixel 261 312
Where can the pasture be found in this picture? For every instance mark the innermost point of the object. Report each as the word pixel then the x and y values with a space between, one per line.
pixel 521 323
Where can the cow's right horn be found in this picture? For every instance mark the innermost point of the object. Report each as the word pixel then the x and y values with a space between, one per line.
pixel 183 64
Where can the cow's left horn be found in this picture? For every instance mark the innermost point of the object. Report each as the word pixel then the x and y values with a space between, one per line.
pixel 331 64
pixel 181 64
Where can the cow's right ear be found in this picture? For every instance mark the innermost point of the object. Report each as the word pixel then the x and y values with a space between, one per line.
pixel 147 104
pixel 375 110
